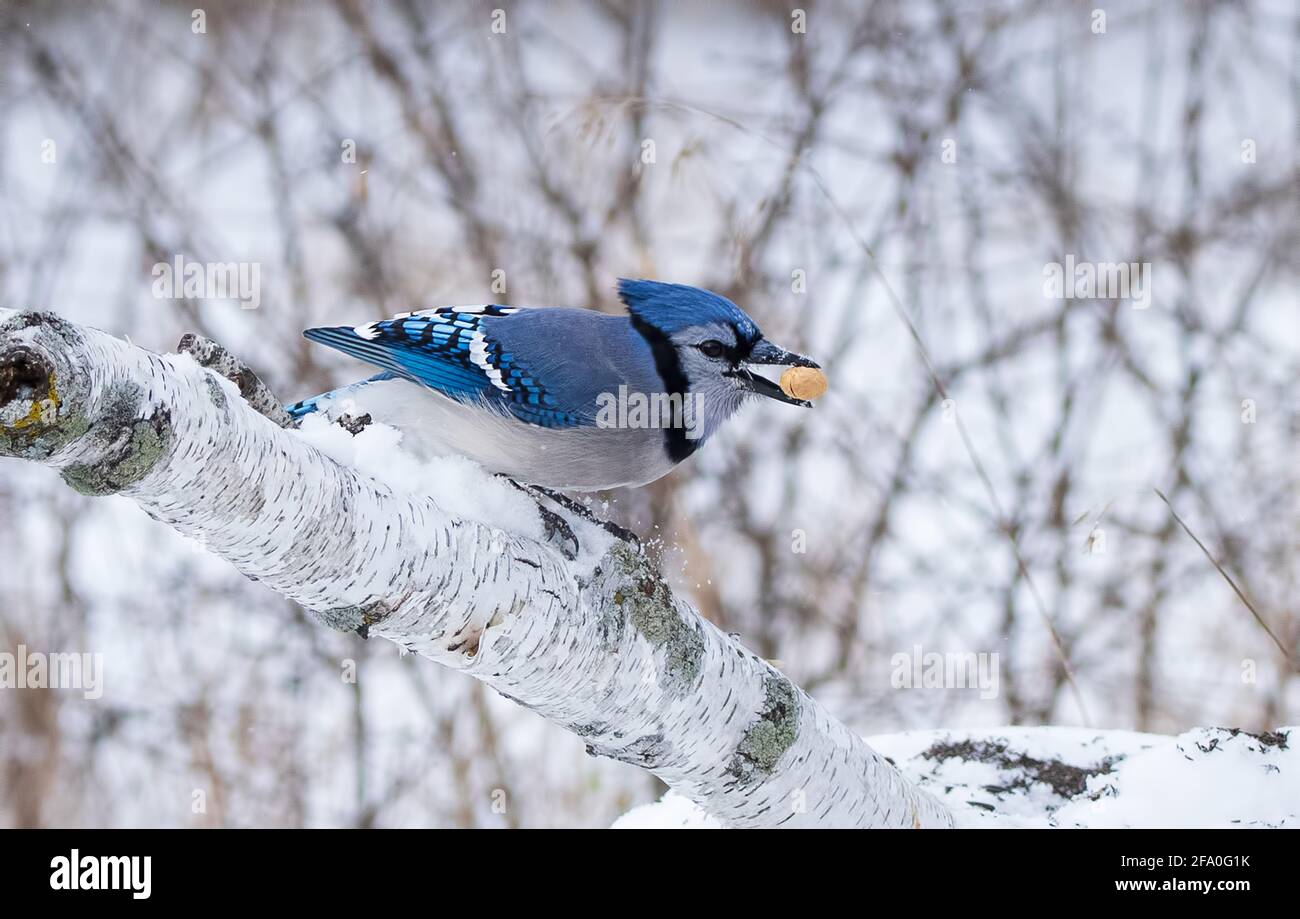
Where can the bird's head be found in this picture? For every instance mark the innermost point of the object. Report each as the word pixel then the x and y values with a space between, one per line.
pixel 705 344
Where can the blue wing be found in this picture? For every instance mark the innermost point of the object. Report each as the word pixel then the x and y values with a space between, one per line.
pixel 452 350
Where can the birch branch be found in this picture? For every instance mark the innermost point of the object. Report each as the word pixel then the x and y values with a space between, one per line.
pixel 601 647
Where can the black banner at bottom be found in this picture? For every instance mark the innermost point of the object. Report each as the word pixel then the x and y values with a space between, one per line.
pixel 335 868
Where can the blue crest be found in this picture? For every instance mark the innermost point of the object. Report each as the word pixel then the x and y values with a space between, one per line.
pixel 673 307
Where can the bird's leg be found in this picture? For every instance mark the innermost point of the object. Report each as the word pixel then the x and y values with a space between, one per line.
pixel 558 530
pixel 584 512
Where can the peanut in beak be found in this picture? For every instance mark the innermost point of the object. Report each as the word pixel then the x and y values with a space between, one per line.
pixel 805 383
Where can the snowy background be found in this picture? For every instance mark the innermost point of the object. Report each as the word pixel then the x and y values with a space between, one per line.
pixel 1074 778
pixel 966 145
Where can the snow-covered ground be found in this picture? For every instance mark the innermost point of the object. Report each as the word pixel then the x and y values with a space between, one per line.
pixel 1075 777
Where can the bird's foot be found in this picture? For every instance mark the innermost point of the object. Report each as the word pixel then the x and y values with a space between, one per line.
pixel 558 531
pixel 352 424
pixel 585 513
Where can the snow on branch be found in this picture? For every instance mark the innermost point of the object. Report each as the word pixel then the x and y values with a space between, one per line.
pixel 448 562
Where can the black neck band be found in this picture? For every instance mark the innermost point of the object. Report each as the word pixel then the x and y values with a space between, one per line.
pixel 669 365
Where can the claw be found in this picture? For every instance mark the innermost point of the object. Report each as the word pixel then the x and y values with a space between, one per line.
pixel 559 532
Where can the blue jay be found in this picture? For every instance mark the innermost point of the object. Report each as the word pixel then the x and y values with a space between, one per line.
pixel 560 398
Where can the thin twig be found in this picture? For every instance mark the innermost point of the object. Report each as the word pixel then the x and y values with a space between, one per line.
pixel 1231 583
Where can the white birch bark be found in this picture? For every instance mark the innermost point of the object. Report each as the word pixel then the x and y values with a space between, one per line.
pixel 605 650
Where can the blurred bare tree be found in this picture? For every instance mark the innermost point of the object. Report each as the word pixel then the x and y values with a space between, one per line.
pixel 883 185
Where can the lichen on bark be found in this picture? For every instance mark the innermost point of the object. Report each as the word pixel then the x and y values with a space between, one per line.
pixel 771 734
pixel 36 419
pixel 132 445
pixel 356 619
pixel 647 602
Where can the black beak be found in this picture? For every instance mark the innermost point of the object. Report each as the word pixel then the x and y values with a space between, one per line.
pixel 767 353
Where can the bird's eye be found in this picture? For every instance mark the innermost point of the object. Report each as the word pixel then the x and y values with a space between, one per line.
pixel 711 348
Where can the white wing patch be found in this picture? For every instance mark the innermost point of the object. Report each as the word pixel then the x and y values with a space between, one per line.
pixel 442 310
pixel 477 346
pixel 478 354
